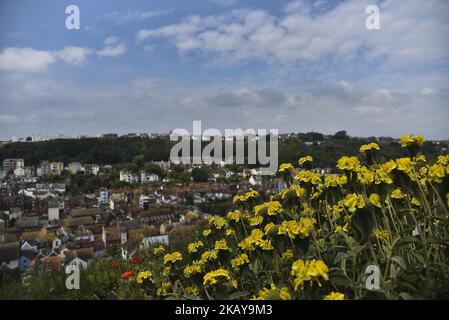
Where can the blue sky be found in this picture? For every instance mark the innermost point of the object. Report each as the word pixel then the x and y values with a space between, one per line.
pixel 153 66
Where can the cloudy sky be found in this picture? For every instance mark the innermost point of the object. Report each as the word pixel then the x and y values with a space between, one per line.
pixel 152 66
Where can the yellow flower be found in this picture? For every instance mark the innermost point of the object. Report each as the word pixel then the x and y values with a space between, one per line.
pixel 374 198
pixel 162 291
pixel 348 163
pixel 273 293
pixel 335 296
pixel 211 278
pixel 218 222
pixel 172 257
pixel 245 197
pixel 274 207
pixel 304 160
pixel 404 164
pixel 397 194
pixel 285 167
pixel 365 176
pixel 221 245
pixel 159 249
pixel 268 227
pixel 255 221
pixel 309 270
pixel 192 290
pixel 194 246
pixel 234 215
pixel 308 177
pixel 196 267
pixel 389 166
pixel 143 275
pixel 284 294
pixel 206 232
pixel 293 228
pixel 368 147
pixel 230 232
pixel 335 181
pixel 443 160
pixel 415 202
pixel 166 271
pixel 209 255
pixel 239 261
pixel 298 191
pixel 341 229
pixel 287 255
pixel 407 141
pixel 265 244
pixel 354 201
pixel 381 234
pixel 436 173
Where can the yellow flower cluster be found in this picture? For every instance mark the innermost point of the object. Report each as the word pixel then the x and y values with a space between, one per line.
pixel 309 270
pixel 271 208
pixel 245 197
pixel 221 245
pixel 234 215
pixel 335 296
pixel 256 239
pixel 194 246
pixel 196 267
pixel 304 160
pixel 293 228
pixel 159 249
pixel 369 147
pixel 273 293
pixel 285 167
pixel 381 234
pixel 212 278
pixel 354 201
pixel 348 163
pixel 335 181
pixel 218 222
pixel 308 177
pixel 144 275
pixel 172 257
pixel 239 261
pixel 409 140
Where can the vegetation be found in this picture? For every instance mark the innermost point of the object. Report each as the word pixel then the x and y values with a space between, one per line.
pixel 321 237
pixel 126 150
pixel 317 238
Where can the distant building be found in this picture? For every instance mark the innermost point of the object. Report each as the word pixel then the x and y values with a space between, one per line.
pixel 75 167
pixel 12 164
pixel 92 169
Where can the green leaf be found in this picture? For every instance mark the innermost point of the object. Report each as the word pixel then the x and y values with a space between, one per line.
pixel 238 295
pixel 400 262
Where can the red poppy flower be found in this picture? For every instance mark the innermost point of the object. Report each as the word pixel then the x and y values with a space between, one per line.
pixel 135 259
pixel 116 266
pixel 126 275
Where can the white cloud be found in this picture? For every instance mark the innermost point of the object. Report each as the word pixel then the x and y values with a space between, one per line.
pixel 123 17
pixel 25 60
pixel 113 48
pixel 409 34
pixel 73 55
pixel 29 60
